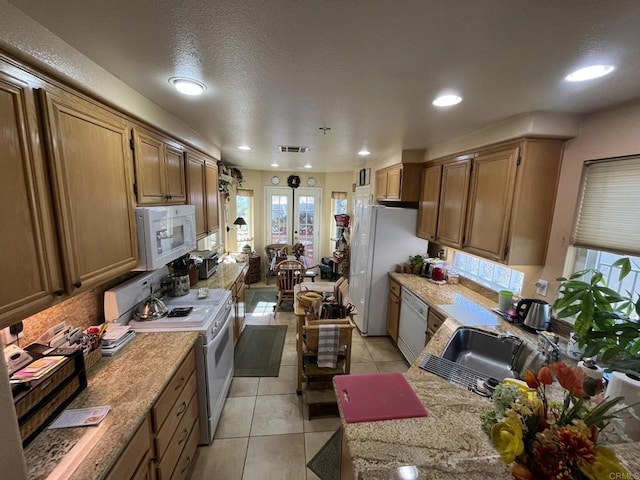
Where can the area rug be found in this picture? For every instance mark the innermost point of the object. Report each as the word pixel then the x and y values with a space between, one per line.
pixel 326 463
pixel 259 351
pixel 260 301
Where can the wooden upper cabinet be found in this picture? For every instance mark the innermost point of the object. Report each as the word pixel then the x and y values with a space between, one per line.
pixel 490 202
pixel 429 202
pixel 212 196
pixel 175 174
pixel 497 202
pixel 196 190
pixel 399 184
pixel 454 191
pixel 160 170
pixel 90 170
pixel 28 247
pixel 202 175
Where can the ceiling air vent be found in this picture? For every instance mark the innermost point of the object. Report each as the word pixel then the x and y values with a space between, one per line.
pixel 292 149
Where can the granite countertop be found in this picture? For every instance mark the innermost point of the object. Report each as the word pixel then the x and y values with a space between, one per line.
pixel 449 442
pixel 130 382
pixel 225 276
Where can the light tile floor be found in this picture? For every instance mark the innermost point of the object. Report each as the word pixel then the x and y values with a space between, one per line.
pixel 263 433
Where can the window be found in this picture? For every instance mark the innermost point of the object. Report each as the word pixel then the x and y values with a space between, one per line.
pixel 244 209
pixel 594 259
pixel 338 207
pixel 489 274
pixel 608 216
pixel 607 225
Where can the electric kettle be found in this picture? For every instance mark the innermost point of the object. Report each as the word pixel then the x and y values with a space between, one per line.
pixel 535 314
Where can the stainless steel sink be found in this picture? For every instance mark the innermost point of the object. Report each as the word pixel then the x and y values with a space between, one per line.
pixel 492 355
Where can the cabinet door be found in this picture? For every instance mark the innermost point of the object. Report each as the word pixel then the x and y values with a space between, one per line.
pixel 212 209
pixel 174 175
pixel 92 180
pixel 149 160
pixel 453 202
pixel 429 202
pixel 491 197
pixel 196 196
pixel 393 316
pixel 381 184
pixel 28 250
pixel 394 183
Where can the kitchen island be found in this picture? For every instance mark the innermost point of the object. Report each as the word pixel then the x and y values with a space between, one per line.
pixel 130 383
pixel 449 442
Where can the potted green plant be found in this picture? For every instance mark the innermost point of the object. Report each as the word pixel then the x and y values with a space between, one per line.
pixel 603 323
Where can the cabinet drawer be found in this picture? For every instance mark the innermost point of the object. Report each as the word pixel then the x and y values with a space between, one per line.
pixel 130 462
pixel 394 287
pixel 179 440
pixel 434 321
pixel 185 460
pixel 163 406
pixel 180 410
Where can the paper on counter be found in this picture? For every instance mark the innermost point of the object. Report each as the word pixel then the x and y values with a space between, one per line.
pixel 81 417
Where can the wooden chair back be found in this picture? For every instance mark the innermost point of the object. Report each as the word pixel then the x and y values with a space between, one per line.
pixel 289 273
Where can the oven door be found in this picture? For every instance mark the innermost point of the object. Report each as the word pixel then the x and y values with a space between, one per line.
pixel 217 376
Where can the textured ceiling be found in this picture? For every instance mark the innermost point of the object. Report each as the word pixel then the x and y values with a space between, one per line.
pixel 277 70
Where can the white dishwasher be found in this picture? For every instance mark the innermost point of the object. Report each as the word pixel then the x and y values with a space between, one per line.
pixel 412 331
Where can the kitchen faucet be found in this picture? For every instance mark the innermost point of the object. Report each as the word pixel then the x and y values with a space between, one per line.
pixel 549 346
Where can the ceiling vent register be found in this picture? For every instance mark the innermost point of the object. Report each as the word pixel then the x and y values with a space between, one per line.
pixel 292 149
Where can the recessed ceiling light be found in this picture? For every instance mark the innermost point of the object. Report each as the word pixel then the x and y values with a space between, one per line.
pixel 364 152
pixel 447 100
pixel 275 165
pixel 244 147
pixel 188 86
pixel 589 73
pixel 307 165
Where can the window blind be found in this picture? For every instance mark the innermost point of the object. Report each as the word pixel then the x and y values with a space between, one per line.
pixel 244 192
pixel 338 195
pixel 608 216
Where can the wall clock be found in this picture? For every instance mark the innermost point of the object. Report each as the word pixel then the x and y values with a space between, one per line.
pixel 311 181
pixel 275 180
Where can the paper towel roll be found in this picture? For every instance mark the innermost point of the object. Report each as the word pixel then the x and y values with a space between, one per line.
pixel 593 372
pixel 621 385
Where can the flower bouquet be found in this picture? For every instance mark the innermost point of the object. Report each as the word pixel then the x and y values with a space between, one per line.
pixel 546 439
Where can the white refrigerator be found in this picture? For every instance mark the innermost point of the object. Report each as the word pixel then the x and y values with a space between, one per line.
pixel 381 238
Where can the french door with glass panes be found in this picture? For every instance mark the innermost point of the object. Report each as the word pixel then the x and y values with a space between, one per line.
pixel 293 215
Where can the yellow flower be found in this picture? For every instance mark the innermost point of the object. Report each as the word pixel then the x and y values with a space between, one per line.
pixel 507 439
pixel 605 466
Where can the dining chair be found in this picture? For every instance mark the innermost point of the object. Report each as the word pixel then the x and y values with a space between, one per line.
pixel 289 273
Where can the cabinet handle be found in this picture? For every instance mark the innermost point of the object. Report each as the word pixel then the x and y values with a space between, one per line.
pixel 188 460
pixel 179 386
pixel 183 407
pixel 77 284
pixel 59 292
pixel 185 434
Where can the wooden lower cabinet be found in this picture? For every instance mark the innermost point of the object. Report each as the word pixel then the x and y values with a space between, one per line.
pixel 175 426
pixel 393 310
pixel 135 461
pixel 434 321
pixel 238 296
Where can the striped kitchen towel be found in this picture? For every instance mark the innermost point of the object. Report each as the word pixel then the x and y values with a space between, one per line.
pixel 328 337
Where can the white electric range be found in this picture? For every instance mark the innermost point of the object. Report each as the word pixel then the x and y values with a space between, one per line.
pixel 212 317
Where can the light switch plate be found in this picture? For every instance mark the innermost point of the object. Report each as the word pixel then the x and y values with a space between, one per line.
pixel 541 287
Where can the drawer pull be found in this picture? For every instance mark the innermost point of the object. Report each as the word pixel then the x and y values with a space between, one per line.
pixel 185 434
pixel 188 462
pixel 183 407
pixel 180 384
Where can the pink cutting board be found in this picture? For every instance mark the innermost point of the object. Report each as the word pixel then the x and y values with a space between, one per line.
pixel 379 396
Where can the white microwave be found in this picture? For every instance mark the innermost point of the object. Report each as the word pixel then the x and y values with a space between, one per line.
pixel 164 234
